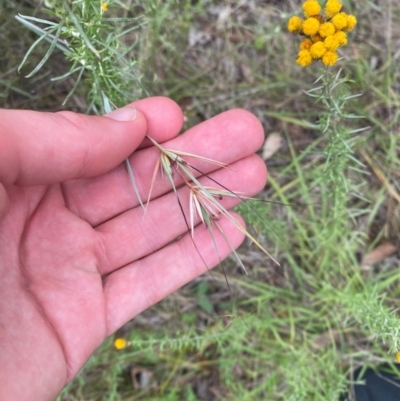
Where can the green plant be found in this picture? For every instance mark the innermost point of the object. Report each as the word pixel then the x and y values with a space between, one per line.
pixel 319 314
pixel 91 42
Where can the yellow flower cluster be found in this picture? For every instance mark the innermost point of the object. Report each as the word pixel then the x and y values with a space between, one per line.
pixel 324 33
pixel 120 343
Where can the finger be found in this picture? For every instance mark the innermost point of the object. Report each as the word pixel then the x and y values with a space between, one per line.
pixel 134 235
pixel 42 148
pixel 138 286
pixel 4 202
pixel 227 137
pixel 164 118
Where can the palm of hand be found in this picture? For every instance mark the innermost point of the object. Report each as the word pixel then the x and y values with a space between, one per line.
pixel 53 279
pixel 77 260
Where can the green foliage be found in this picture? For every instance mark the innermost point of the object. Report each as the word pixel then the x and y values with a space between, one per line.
pixel 297 330
pixel 95 48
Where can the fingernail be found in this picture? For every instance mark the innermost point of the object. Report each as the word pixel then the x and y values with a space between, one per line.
pixel 124 114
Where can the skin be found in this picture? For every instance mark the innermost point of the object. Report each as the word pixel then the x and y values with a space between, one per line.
pixel 77 257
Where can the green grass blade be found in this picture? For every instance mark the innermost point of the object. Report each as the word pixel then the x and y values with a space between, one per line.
pixel 48 53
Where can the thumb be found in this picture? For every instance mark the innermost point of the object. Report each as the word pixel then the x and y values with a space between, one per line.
pixel 44 148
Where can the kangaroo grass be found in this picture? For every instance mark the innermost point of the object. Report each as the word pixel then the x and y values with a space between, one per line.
pixel 204 201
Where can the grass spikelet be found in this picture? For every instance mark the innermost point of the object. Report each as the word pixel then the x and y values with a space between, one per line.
pixel 204 200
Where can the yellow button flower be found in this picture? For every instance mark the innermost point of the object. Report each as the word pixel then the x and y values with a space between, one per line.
pixel 340 21
pixel 311 26
pixel 317 50
pixel 104 6
pixel 306 44
pixel 322 32
pixel 351 22
pixel 329 58
pixel 332 7
pixel 331 42
pixel 304 58
pixel 120 343
pixel 311 7
pixel 341 38
pixel 326 29
pixel 294 24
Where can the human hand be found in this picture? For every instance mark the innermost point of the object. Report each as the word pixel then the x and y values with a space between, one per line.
pixel 78 258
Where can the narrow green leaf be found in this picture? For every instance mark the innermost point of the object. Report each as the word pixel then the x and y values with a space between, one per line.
pixel 42 21
pixel 106 103
pixel 78 80
pixel 48 54
pixel 59 78
pixel 107 108
pixel 44 35
pixel 15 89
pixel 48 37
